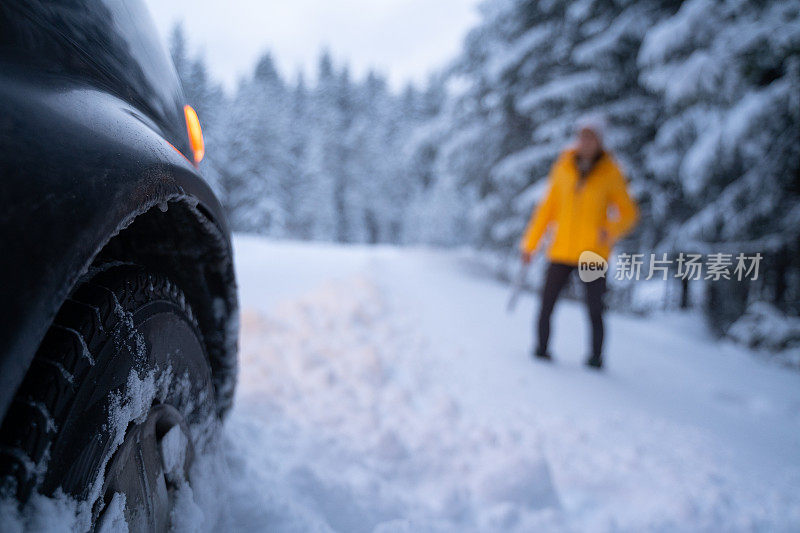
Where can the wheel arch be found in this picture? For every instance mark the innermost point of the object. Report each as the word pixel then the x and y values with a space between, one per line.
pixel 178 238
pixel 86 177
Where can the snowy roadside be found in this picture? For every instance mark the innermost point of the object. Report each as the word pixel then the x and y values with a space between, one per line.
pixel 338 416
pixel 334 416
pixel 367 410
pixel 387 390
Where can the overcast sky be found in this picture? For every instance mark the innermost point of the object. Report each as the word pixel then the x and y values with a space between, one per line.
pixel 404 39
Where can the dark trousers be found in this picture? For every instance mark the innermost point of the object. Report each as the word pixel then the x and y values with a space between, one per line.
pixel 557 276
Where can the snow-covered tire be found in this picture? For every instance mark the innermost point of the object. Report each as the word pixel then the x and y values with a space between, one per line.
pixel 122 366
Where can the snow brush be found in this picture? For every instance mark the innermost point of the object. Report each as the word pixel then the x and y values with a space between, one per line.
pixel 516 288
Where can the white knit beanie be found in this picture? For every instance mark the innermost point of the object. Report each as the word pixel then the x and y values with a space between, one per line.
pixel 595 122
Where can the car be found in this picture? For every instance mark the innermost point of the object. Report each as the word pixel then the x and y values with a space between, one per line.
pixel 118 325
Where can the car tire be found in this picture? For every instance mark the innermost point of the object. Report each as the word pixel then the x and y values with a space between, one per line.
pixel 117 400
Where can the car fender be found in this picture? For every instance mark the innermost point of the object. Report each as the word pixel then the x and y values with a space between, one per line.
pixel 77 166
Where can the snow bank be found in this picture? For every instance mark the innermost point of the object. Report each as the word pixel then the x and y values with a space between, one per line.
pixel 58 514
pixel 354 414
pixel 333 418
pixel 396 395
pixel 764 326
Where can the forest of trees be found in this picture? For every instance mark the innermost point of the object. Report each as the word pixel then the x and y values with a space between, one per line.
pixel 328 160
pixel 702 98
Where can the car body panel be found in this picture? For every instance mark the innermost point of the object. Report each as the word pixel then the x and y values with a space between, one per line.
pixel 111 45
pixel 83 152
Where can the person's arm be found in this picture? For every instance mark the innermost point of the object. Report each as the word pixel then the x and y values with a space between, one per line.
pixel 628 212
pixel 540 219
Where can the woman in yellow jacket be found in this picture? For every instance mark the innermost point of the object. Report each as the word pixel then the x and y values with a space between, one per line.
pixel 588 208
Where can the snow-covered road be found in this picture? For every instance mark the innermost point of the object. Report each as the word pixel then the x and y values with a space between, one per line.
pixel 388 390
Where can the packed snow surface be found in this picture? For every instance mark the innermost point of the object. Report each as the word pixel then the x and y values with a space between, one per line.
pixel 388 390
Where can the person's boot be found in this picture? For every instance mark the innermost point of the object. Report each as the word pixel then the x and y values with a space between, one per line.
pixel 542 355
pixel 595 361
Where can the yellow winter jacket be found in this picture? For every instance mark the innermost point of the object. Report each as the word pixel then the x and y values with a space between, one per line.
pixel 580 212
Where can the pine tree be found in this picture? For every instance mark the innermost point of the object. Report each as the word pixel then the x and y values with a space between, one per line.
pixel 532 69
pixel 728 148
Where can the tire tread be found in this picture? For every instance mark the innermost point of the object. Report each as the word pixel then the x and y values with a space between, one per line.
pixel 65 357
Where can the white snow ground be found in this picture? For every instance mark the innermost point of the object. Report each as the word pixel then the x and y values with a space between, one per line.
pixel 387 390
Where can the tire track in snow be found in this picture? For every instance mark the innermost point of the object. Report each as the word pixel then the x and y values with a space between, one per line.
pixel 339 419
pixel 336 414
